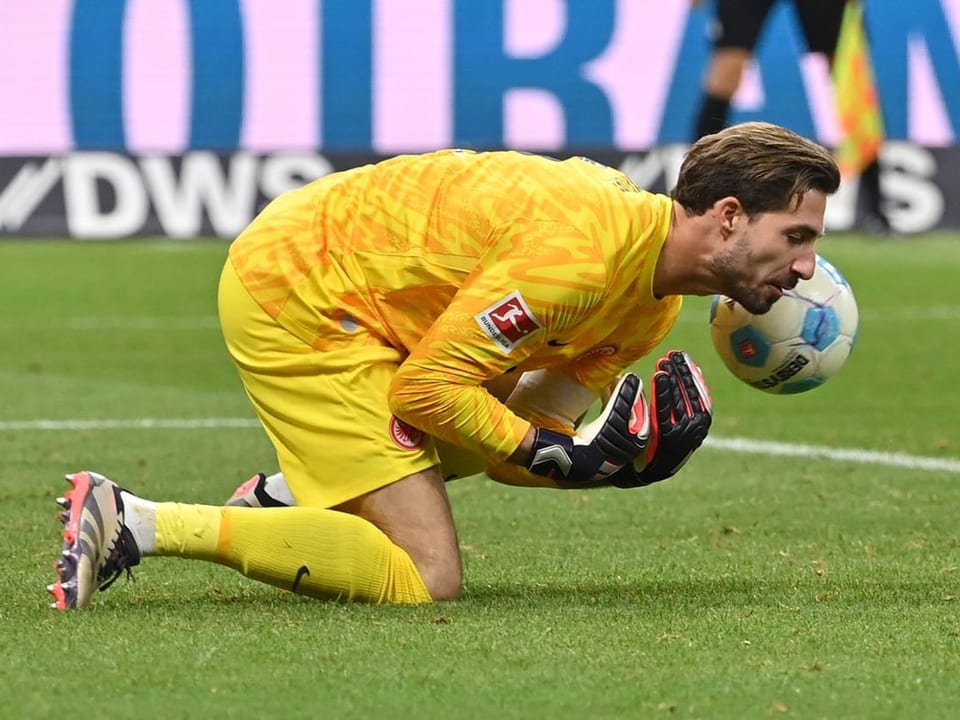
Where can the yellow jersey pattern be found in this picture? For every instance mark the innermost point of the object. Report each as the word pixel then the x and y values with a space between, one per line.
pixel 466 266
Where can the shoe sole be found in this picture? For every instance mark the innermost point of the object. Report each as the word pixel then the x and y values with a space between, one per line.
pixel 64 590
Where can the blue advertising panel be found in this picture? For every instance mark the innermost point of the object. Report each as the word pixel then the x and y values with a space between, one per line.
pixel 404 75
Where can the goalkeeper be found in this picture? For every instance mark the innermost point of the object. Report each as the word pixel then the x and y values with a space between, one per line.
pixel 480 299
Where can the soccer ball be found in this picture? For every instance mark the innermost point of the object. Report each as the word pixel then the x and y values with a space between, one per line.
pixel 803 340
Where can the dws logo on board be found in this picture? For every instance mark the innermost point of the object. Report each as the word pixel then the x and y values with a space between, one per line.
pixel 109 195
pixel 100 195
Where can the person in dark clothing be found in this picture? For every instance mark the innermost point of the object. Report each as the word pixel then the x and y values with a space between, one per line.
pixel 734 32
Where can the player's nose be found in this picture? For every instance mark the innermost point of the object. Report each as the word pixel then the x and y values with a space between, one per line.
pixel 805 265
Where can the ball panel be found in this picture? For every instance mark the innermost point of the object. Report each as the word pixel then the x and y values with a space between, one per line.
pixel 749 347
pixel 784 362
pixel 834 357
pixel 798 363
pixel 847 313
pixel 821 327
pixel 781 322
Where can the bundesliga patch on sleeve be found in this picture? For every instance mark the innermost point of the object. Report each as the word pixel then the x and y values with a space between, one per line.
pixel 508 321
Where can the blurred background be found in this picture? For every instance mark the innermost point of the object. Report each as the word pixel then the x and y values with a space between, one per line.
pixel 182 118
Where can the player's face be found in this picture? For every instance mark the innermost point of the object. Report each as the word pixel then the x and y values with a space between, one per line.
pixel 771 253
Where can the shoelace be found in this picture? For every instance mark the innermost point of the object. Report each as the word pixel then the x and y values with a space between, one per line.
pixel 123 556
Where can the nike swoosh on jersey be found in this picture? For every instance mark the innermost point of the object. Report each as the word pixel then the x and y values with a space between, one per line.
pixel 303 570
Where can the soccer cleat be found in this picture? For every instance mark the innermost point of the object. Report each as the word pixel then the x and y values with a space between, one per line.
pixel 97 546
pixel 262 491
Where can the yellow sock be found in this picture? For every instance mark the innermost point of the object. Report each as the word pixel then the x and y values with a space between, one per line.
pixel 311 551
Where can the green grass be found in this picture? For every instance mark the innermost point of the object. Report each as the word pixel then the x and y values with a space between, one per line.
pixel 748 586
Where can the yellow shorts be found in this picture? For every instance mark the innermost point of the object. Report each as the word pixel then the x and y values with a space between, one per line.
pixel 334 434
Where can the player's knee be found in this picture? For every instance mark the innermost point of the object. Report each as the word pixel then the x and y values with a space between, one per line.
pixel 443 582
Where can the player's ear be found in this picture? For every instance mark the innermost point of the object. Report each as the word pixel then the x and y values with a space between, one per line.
pixel 729 213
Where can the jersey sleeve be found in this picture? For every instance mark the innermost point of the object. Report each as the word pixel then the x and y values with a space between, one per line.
pixel 597 370
pixel 537 278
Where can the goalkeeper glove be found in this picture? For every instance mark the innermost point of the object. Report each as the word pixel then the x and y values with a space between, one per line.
pixel 681 413
pixel 600 448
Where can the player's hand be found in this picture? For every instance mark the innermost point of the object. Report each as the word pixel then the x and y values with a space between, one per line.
pixel 614 440
pixel 681 413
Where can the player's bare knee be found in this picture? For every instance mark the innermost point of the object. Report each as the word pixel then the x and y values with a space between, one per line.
pixel 443 583
pixel 442 574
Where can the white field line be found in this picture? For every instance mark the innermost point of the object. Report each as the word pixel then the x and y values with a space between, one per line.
pixel 852 455
pixel 742 445
pixel 129 424
pixel 113 322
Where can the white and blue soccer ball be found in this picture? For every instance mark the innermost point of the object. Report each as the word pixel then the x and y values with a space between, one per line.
pixel 798 345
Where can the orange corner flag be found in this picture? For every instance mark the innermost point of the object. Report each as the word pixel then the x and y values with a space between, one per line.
pixel 856 95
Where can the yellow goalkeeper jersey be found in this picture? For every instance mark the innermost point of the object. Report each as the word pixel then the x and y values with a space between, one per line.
pixel 471 265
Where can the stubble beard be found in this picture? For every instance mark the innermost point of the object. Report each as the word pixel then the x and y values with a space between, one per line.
pixel 730 268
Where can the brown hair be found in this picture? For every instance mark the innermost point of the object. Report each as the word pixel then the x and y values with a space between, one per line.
pixel 766 167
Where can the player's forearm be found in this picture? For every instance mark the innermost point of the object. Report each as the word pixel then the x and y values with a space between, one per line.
pixel 465 415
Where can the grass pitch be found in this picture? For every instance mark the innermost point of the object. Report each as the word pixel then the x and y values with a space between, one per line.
pixel 751 585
